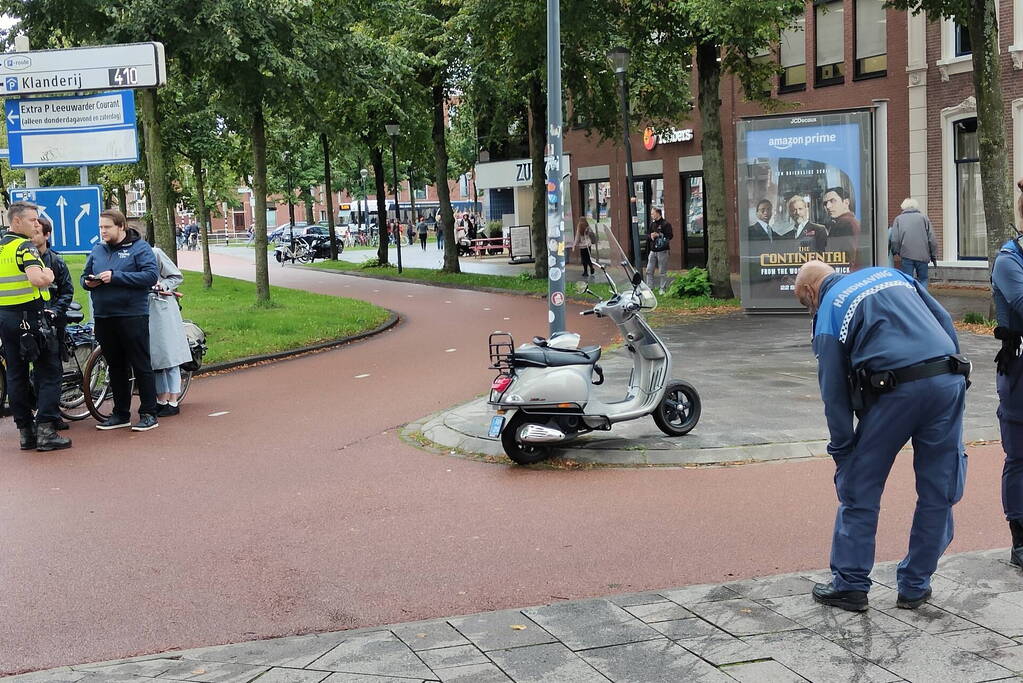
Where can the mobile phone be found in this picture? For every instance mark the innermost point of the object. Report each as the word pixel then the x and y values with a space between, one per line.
pixel 91 277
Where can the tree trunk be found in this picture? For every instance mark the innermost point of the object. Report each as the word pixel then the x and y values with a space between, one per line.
pixel 377 159
pixel 122 199
pixel 537 144
pixel 995 178
pixel 310 219
pixel 327 181
pixel 259 190
pixel 440 156
pixel 157 166
pixel 716 220
pixel 204 233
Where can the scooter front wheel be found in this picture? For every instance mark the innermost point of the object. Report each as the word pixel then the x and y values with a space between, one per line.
pixel 522 453
pixel 679 410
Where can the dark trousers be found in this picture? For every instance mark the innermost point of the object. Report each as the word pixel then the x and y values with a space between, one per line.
pixel 1012 470
pixel 422 241
pixel 48 373
pixel 584 256
pixel 125 343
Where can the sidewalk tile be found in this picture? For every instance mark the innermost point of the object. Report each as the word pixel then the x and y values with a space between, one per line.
pixel 977 640
pixel 923 657
pixel 989 574
pixel 763 672
pixel 1009 657
pixel 744 617
pixel 653 661
pixel 722 649
pixel 818 659
pixel 362 678
pixel 447 657
pixel 212 672
pixel 832 622
pixel 479 673
pixel 62 675
pixel 930 619
pixel 680 629
pixel 146 667
pixel 697 594
pixel 982 608
pixel 772 587
pixel 553 663
pixel 590 623
pixel 283 675
pixel 658 611
pixel 429 635
pixel 633 599
pixel 294 651
pixel 379 654
pixel 494 630
pixel 94 677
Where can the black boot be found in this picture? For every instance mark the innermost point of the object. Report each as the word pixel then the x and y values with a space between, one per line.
pixel 60 425
pixel 28 437
pixel 49 440
pixel 1016 529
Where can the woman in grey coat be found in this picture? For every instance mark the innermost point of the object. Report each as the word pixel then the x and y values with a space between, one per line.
pixel 912 239
pixel 168 345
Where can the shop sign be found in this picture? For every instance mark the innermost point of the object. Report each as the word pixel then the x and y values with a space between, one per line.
pixel 666 137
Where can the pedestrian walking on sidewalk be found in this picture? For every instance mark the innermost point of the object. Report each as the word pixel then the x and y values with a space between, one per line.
pixel 584 241
pixel 1007 289
pixel 658 244
pixel 887 353
pixel 424 231
pixel 912 239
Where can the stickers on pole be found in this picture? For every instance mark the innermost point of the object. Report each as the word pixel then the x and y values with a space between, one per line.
pixel 558 299
pixel 555 274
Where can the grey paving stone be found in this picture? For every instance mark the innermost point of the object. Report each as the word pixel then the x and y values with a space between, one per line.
pixel 1009 657
pixel 762 672
pixel 659 611
pixel 479 673
pixel 987 573
pixel 61 675
pixel 493 630
pixel 923 657
pixel 362 678
pixel 379 654
pixel 982 608
pixel 429 635
pixel 832 622
pixel 212 672
pixel 744 617
pixel 772 587
pixel 553 663
pixel 631 599
pixel 818 659
pixel 295 651
pixel 977 640
pixel 447 657
pixel 147 667
pixel 590 623
pixel 652 661
pixel 697 594
pixel 94 677
pixel 680 629
pixel 722 649
pixel 283 675
pixel 930 619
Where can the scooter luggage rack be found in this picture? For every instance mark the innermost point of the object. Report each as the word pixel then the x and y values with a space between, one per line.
pixel 502 350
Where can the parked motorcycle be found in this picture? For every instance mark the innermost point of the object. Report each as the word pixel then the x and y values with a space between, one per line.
pixel 543 393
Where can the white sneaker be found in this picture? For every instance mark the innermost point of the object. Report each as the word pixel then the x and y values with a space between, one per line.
pixel 661 291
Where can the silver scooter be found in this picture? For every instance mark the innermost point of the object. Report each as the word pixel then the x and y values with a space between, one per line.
pixel 543 393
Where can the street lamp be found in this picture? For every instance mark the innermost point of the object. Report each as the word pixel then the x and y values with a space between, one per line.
pixel 619 57
pixel 392 130
pixel 365 198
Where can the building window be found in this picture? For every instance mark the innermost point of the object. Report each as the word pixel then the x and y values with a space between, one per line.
pixel 969 200
pixel 962 41
pixel 871 38
pixel 830 43
pixel 793 57
pixel 323 216
pixel 597 200
pixel 764 56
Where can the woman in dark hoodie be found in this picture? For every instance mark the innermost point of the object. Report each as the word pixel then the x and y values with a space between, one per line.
pixel 119 274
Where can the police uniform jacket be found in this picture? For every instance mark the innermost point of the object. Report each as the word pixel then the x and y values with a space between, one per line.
pixel 62 291
pixel 877 319
pixel 1007 290
pixel 17 253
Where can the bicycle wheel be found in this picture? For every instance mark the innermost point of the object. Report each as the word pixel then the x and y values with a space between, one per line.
pixel 96 386
pixel 186 381
pixel 72 404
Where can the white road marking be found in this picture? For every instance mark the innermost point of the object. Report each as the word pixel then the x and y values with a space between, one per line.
pixel 362 376
pixel 450 350
pixel 507 318
pixel 447 302
pixel 410 296
pixel 486 309
pixel 218 414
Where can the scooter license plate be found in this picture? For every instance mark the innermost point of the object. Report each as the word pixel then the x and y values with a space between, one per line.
pixel 496 423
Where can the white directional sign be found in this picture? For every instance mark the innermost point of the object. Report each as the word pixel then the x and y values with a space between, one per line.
pixel 73 211
pixel 132 65
pixel 72 131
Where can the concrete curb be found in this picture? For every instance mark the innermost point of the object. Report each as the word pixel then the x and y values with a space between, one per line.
pixel 443 285
pixel 392 320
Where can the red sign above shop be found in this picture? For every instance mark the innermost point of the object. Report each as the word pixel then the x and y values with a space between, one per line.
pixel 671 135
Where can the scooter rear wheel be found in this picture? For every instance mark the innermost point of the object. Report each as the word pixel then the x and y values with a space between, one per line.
pixel 522 453
pixel 679 410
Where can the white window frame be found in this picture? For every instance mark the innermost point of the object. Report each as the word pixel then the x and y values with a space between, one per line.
pixel 949 64
pixel 1017 144
pixel 967 109
pixel 1016 49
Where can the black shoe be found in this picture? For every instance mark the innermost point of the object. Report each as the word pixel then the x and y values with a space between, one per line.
pixel 60 425
pixel 1016 557
pixel 852 601
pixel 912 603
pixel 48 439
pixel 167 409
pixel 27 435
pixel 114 422
pixel 145 423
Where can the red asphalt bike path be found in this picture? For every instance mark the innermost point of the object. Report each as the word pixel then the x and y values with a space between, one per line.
pixel 300 510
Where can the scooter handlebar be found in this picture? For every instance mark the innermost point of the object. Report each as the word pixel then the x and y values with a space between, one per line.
pixel 592 311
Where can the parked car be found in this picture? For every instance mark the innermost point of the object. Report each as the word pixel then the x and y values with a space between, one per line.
pixel 285 232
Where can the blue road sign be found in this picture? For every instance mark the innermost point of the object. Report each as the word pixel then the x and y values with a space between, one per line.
pixel 73 211
pixel 72 131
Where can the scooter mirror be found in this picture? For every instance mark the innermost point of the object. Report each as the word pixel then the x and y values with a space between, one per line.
pixel 581 287
pixel 636 279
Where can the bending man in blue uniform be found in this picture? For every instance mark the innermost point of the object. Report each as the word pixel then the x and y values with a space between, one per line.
pixel 887 354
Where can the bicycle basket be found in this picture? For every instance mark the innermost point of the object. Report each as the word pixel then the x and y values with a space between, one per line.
pixel 196 344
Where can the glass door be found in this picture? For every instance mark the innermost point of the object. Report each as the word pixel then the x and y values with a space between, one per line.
pixel 649 193
pixel 695 234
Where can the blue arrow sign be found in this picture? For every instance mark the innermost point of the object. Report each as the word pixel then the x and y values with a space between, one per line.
pixel 72 131
pixel 73 211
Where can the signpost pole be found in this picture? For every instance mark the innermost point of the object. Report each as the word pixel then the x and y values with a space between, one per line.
pixel 21 44
pixel 555 220
pixel 83 175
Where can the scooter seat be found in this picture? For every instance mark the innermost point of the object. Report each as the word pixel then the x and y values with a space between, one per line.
pixel 546 357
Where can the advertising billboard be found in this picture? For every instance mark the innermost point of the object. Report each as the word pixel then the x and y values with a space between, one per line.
pixel 805 192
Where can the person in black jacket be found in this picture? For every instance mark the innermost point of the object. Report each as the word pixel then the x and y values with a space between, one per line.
pixel 62 291
pixel 658 243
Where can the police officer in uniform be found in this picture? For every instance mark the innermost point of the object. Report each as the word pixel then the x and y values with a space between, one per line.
pixel 887 353
pixel 27 334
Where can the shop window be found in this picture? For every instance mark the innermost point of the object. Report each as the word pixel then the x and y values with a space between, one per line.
pixel 971 227
pixel 597 200
pixel 502 201
pixel 792 46
pixel 871 38
pixel 828 25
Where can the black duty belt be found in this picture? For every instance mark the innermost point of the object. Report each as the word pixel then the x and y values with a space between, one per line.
pixel 887 380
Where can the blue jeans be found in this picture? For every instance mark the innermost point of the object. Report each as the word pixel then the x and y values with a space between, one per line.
pixel 916 269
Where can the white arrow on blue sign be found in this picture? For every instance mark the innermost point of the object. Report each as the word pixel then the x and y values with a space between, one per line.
pixel 73 211
pixel 72 131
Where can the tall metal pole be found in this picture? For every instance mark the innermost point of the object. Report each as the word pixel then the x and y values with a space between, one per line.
pixel 637 255
pixel 397 206
pixel 555 219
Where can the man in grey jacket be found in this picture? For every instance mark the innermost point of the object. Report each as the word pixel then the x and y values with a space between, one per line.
pixel 912 239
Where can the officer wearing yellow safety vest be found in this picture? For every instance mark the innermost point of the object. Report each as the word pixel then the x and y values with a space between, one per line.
pixel 27 333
